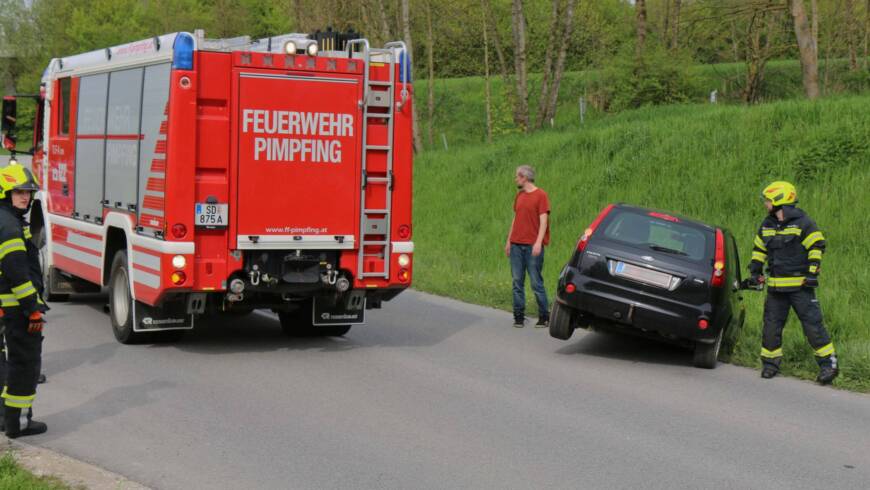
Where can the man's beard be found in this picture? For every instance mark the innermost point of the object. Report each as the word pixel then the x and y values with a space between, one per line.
pixel 519 186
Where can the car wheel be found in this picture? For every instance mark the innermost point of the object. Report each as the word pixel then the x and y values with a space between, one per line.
pixel 561 322
pixel 121 301
pixel 707 355
pixel 40 243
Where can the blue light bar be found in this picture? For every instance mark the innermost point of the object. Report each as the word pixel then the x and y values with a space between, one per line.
pixel 404 67
pixel 182 52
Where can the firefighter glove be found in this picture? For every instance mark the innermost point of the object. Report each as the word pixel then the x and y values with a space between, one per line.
pixel 756 281
pixel 36 322
pixel 811 282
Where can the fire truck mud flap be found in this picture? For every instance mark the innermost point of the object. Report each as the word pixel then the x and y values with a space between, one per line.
pixel 346 311
pixel 167 317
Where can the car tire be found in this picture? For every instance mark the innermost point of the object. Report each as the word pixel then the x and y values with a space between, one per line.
pixel 40 242
pixel 707 355
pixel 121 301
pixel 561 322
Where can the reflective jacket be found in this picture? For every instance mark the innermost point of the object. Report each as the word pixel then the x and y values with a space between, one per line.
pixel 17 289
pixel 792 248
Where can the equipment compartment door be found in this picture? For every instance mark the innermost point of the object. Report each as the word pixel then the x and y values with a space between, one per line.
pixel 299 138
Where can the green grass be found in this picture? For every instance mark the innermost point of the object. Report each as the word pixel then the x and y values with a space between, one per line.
pixel 703 161
pixel 14 477
pixel 460 111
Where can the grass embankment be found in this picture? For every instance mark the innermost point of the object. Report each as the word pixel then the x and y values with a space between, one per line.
pixel 460 111
pixel 14 477
pixel 703 161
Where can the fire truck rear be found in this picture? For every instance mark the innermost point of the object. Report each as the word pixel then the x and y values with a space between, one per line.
pixel 193 176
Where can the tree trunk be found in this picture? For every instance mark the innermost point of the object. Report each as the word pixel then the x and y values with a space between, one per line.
pixel 735 46
pixel 382 18
pixel 567 29
pixel 430 44
pixel 866 62
pixel 852 34
pixel 548 64
pixel 406 30
pixel 521 102
pixel 808 54
pixel 487 94
pixel 667 24
pixel 496 42
pixel 640 17
pixel 675 41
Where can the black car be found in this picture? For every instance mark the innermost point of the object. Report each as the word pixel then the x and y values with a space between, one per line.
pixel 653 273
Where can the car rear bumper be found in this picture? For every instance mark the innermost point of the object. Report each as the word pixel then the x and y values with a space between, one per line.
pixel 603 304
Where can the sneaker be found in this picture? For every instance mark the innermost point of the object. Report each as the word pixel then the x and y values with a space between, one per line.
pixel 827 375
pixel 768 373
pixel 519 322
pixel 543 322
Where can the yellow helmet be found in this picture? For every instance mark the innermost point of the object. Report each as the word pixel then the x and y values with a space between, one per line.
pixel 780 193
pixel 17 177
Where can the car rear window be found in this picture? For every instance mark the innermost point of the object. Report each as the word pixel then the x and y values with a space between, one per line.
pixel 658 232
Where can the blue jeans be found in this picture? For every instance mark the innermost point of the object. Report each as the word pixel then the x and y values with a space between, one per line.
pixel 522 260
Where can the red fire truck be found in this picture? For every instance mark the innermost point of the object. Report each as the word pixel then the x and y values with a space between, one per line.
pixel 191 176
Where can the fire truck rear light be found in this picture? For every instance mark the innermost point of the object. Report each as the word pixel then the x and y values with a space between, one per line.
pixel 182 52
pixel 179 262
pixel 570 288
pixel 290 47
pixel 404 232
pixel 179 231
pixel 404 275
pixel 177 278
pixel 404 260
pixel 312 49
pixel 703 324
pixel 184 82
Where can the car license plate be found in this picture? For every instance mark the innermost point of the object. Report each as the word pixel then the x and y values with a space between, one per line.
pixel 211 215
pixel 642 274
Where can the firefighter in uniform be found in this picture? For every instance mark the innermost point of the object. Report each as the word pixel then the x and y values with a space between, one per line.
pixel 21 303
pixel 792 245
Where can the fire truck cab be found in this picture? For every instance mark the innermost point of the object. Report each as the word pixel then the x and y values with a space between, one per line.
pixel 192 176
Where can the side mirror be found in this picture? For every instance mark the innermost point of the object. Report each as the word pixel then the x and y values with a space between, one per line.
pixel 7 124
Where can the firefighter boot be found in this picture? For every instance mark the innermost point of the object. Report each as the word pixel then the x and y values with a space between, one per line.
pixel 19 424
pixel 768 372
pixel 827 370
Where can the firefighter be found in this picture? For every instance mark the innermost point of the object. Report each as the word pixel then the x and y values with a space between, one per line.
pixel 792 245
pixel 22 305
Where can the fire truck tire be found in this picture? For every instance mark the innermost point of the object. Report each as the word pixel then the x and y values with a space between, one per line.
pixel 46 271
pixel 298 324
pixel 121 301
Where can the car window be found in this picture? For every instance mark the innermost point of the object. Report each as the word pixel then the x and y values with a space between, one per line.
pixel 661 234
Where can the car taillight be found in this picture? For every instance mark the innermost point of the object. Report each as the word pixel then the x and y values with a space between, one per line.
pixel 584 239
pixel 718 279
pixel 703 324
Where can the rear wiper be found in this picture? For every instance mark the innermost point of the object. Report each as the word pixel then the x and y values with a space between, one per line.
pixel 667 250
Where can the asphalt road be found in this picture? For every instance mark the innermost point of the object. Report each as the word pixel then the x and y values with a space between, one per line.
pixel 433 393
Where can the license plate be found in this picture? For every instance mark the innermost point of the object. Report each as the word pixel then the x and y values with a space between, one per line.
pixel 642 274
pixel 211 215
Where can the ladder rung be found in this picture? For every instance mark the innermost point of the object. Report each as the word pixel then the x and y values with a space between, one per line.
pixel 380 84
pixel 374 274
pixel 378 147
pixel 382 115
pixel 377 211
pixel 376 242
pixel 377 180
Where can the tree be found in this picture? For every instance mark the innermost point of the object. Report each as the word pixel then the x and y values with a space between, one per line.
pixel 521 103
pixel 640 26
pixel 561 26
pixel 808 47
pixel 406 30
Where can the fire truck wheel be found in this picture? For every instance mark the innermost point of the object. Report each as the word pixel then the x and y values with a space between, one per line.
pixel 298 324
pixel 121 301
pixel 46 277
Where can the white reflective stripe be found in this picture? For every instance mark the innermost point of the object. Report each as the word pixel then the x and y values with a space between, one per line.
pixel 162 246
pixel 146 260
pixel 77 255
pixel 85 242
pixel 295 242
pixel 146 278
pixel 75 224
pixel 403 247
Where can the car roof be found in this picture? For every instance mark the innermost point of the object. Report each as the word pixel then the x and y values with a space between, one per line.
pixel 683 219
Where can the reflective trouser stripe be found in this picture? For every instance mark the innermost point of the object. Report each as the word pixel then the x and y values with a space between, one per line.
pixel 814 269
pixel 785 282
pixel 759 256
pixel 815 254
pixel 17 401
pixel 771 354
pixel 826 350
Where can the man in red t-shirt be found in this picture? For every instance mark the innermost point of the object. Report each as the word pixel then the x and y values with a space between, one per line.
pixel 529 234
